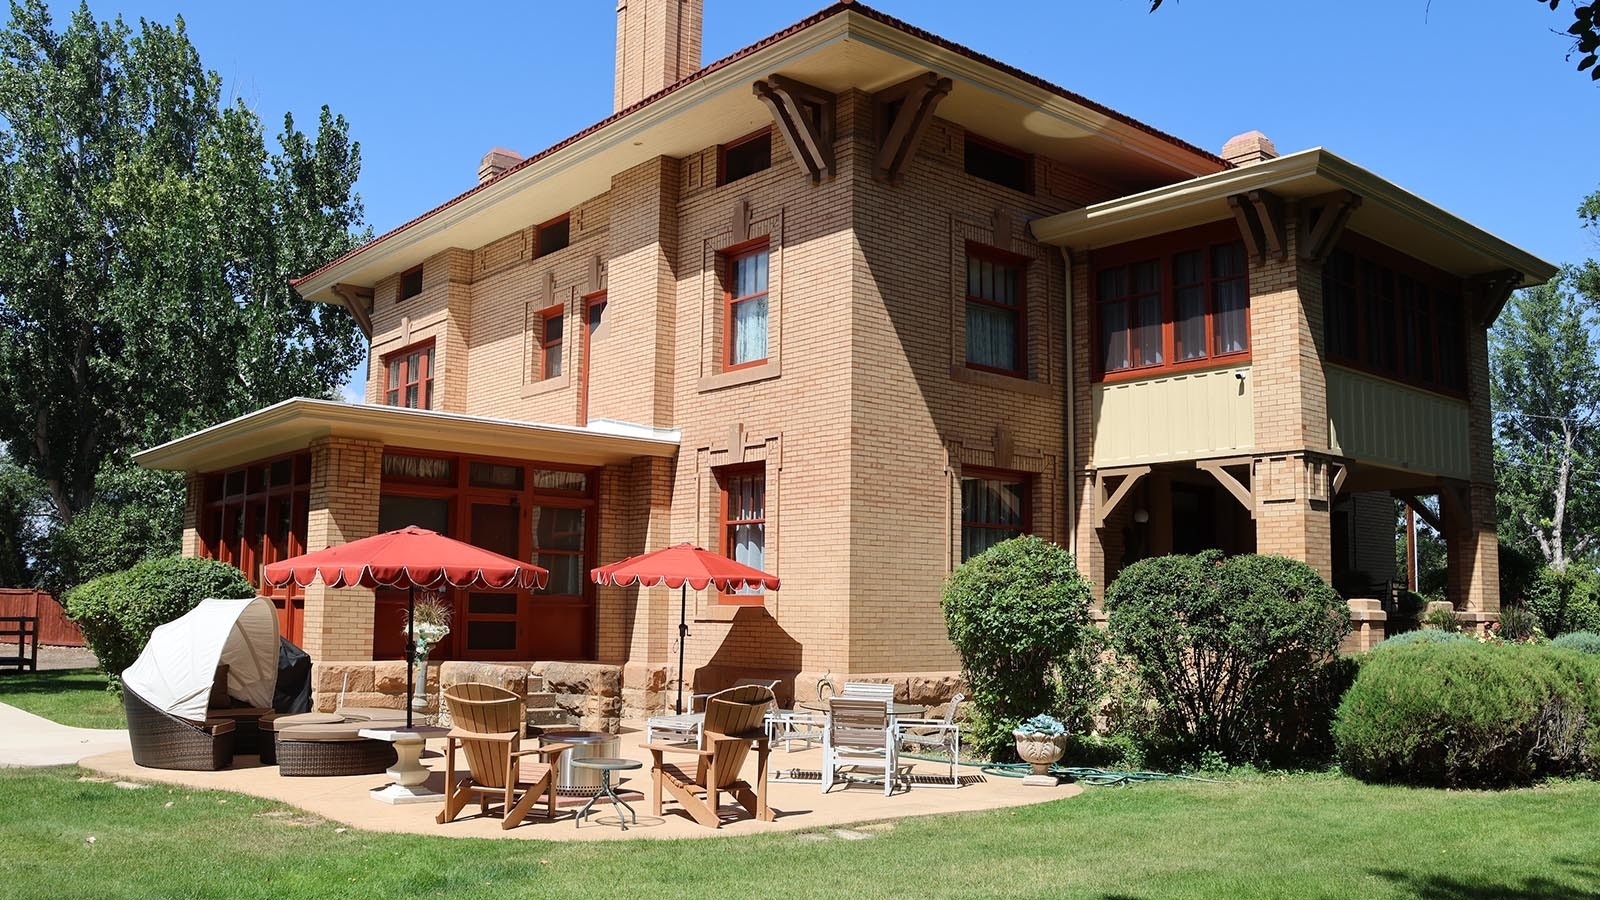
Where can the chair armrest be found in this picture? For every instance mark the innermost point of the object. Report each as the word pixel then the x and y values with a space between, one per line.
pixel 676 748
pixel 551 750
pixel 461 734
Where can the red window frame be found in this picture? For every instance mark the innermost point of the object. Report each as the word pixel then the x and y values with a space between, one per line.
pixel 1022 156
pixel 546 344
pixel 1007 260
pixel 731 258
pixel 239 511
pixel 400 291
pixel 1005 475
pixel 538 235
pixel 722 155
pixel 726 524
pixel 1397 287
pixel 1163 250
pixel 400 375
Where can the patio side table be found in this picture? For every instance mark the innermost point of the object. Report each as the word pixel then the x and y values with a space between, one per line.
pixel 606 765
pixel 410 776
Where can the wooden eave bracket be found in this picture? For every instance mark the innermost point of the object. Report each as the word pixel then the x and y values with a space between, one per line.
pixel 1262 223
pixel 1340 477
pixel 810 137
pixel 918 97
pixel 359 301
pixel 1219 470
pixel 1106 502
pixel 1492 290
pixel 1421 509
pixel 1332 211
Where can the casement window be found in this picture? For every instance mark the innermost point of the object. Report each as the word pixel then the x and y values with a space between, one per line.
pixel 995 506
pixel 1171 309
pixel 742 523
pixel 551 325
pixel 554 235
pixel 410 284
pixel 745 307
pixel 998 163
pixel 1389 316
pixel 997 311
pixel 745 156
pixel 408 377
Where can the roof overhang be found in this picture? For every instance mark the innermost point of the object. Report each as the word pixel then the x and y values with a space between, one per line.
pixel 293 424
pixel 846 46
pixel 1388 214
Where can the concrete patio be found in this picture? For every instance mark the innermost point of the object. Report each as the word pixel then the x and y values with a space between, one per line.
pixel 797 805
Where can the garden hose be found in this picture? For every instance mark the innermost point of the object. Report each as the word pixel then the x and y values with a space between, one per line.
pixel 1083 775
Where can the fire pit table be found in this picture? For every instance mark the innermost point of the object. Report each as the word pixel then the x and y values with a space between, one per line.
pixel 573 780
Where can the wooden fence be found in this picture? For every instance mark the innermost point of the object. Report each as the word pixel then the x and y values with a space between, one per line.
pixel 55 629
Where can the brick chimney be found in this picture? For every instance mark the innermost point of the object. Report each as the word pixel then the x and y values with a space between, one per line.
pixel 1250 147
pixel 496 161
pixel 658 44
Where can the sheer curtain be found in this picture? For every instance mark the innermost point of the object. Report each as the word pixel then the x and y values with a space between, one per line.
pixel 749 331
pixel 1230 323
pixel 991 336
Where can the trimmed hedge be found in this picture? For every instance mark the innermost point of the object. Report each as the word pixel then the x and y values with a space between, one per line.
pixel 117 612
pixel 1235 652
pixel 1423 636
pixel 1581 641
pixel 1464 714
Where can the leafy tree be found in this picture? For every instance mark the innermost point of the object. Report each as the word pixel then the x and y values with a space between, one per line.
pixel 21 531
pixel 136 515
pixel 144 264
pixel 1545 382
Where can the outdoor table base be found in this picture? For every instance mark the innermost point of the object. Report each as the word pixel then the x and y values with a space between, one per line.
pixel 607 765
pixel 410 776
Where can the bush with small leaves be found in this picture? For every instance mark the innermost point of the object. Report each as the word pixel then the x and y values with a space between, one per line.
pixel 1565 600
pixel 1018 614
pixel 1422 636
pixel 117 612
pixel 1581 641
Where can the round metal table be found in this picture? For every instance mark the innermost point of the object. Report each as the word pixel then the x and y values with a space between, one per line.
pixel 896 709
pixel 605 765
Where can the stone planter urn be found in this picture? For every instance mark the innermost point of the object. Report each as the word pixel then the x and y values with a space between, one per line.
pixel 1040 751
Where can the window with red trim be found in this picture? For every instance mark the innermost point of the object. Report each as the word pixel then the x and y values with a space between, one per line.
pixel 408 377
pixel 745 308
pixel 995 506
pixel 742 523
pixel 997 311
pixel 1172 309
pixel 744 157
pixel 410 284
pixel 1389 316
pixel 551 327
pixel 553 235
pixel 998 163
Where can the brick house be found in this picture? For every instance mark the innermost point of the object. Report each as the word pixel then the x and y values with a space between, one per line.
pixel 852 304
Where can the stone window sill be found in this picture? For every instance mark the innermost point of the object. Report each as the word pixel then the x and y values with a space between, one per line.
pixel 751 375
pixel 1004 382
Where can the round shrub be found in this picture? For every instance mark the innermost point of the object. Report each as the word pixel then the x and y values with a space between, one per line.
pixel 1017 613
pixel 1231 649
pixel 1581 641
pixel 117 612
pixel 1464 714
pixel 1422 636
pixel 1565 600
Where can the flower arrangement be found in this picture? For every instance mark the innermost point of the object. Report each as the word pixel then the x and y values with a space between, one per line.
pixel 432 620
pixel 1041 724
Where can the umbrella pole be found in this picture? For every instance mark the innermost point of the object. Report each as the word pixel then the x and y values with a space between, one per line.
pixel 683 632
pixel 411 645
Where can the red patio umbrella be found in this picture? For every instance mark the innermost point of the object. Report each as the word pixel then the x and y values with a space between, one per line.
pixel 684 566
pixel 409 558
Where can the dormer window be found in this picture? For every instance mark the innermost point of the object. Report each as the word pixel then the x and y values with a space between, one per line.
pixel 554 235
pixel 410 284
pixel 998 163
pixel 746 156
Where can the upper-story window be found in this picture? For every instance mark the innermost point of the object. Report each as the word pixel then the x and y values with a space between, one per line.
pixel 745 156
pixel 998 163
pixel 1390 316
pixel 408 377
pixel 554 235
pixel 745 307
pixel 410 284
pixel 551 327
pixel 997 311
pixel 1172 308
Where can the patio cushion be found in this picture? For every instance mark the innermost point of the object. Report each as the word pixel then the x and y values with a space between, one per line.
pixel 371 714
pixel 276 722
pixel 341 731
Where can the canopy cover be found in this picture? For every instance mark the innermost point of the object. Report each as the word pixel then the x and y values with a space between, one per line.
pixel 175 671
pixel 684 564
pixel 406 558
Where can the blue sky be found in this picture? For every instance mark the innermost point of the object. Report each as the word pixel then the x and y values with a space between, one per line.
pixel 1468 103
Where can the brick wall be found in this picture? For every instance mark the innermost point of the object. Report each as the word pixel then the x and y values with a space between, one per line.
pixel 345 475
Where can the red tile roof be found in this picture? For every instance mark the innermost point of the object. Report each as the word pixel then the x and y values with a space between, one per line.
pixel 829 12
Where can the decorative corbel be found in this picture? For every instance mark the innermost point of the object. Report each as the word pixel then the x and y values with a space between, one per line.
pixel 1261 221
pixel 804 115
pixel 1322 219
pixel 1490 291
pixel 1106 497
pixel 918 98
pixel 1421 509
pixel 1218 469
pixel 359 301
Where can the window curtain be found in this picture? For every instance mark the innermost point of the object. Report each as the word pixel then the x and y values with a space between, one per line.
pixel 747 506
pixel 1230 300
pixel 1189 298
pixel 991 336
pixel 749 331
pixel 991 511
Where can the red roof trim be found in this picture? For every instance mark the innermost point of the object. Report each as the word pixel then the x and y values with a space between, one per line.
pixel 829 12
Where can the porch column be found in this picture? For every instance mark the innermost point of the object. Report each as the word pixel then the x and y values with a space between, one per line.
pixel 345 482
pixel 194 487
pixel 1472 545
pixel 1293 494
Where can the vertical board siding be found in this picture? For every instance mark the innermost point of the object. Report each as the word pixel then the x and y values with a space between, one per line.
pixel 55 629
pixel 1378 421
pixel 1187 415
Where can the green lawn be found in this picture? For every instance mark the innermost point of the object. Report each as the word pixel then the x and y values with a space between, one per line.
pixel 1304 836
pixel 70 696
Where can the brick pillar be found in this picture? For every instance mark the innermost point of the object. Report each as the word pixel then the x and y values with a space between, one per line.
pixel 450 348
pixel 194 486
pixel 637 376
pixel 1473 547
pixel 345 485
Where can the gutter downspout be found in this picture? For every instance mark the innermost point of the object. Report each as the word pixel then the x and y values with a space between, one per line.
pixel 1072 410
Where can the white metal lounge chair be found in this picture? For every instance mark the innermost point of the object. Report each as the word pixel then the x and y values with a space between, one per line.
pixel 859 736
pixel 939 735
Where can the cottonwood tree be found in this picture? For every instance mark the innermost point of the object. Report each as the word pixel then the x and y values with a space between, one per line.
pixel 145 254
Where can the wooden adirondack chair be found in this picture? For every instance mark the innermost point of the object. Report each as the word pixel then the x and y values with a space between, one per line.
pixel 489 723
pixel 734 723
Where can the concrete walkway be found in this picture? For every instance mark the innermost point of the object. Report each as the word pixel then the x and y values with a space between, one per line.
pixel 30 740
